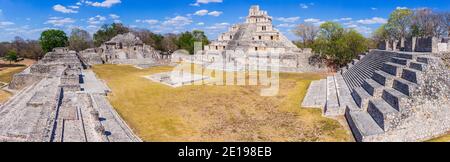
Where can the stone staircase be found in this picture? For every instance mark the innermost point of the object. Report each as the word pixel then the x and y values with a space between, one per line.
pixel 361 69
pixel 380 99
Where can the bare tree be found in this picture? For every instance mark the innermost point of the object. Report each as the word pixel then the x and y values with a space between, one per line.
pixel 307 33
pixel 169 42
pixel 426 23
pixel 80 39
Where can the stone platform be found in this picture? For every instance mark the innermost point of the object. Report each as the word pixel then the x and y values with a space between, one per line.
pixel 177 80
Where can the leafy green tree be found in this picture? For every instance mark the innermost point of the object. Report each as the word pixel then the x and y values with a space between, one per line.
pixel 339 45
pixel 200 36
pixel 79 39
pixel 107 32
pixel 52 38
pixel 11 56
pixel 186 41
pixel 399 23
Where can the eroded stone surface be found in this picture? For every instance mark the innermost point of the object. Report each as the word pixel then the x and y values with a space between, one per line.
pixel 61 102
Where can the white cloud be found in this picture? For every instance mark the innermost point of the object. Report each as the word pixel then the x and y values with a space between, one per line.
pixel 178 21
pixel 215 13
pixel 96 20
pixel 6 23
pixel 401 8
pixel 63 9
pixel 373 8
pixel 201 12
pixel 304 6
pixel 200 23
pixel 218 26
pixel 286 25
pixel 149 21
pixel 74 7
pixel 374 20
pixel 59 21
pixel 343 19
pixel 114 16
pixel 288 19
pixel 206 12
pixel 199 2
pixel 105 4
pixel 314 21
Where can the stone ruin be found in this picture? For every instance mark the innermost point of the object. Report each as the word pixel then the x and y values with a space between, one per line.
pixel 57 100
pixel 418 44
pixel 123 49
pixel 177 79
pixel 388 96
pixel 251 45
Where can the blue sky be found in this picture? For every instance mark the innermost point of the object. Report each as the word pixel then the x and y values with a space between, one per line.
pixel 27 18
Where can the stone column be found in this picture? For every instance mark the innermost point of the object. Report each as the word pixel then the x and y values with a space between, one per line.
pixel 386 47
pixel 413 44
pixel 394 45
pixel 402 43
pixel 434 45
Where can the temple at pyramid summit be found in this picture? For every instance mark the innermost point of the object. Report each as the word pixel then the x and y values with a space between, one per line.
pixel 253 45
pixel 256 34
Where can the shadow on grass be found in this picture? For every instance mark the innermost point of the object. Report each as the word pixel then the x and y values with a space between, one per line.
pixel 11 65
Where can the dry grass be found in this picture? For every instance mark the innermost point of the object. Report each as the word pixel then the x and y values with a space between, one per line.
pixel 445 138
pixel 216 113
pixel 7 72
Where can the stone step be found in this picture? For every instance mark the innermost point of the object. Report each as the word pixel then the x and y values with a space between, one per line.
pixel 406 56
pixel 417 65
pixel 332 98
pixel 424 60
pixel 373 88
pixel 394 98
pixel 412 75
pixel 361 57
pixel 392 68
pixel 382 113
pixel 404 86
pixel 361 97
pixel 362 124
pixel 354 61
pixel 400 61
pixel 383 78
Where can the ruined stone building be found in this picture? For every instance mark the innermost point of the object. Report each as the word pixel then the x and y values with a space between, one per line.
pixel 122 49
pixel 388 96
pixel 255 34
pixel 252 45
pixel 57 100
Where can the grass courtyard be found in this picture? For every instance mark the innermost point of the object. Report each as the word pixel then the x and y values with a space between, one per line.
pixel 216 113
pixel 7 72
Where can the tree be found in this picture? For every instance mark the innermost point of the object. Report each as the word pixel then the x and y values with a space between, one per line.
pixel 11 56
pixel 150 38
pixel 169 43
pixel 399 24
pixel 426 23
pixel 186 41
pixel 199 36
pixel 51 39
pixel 80 39
pixel 107 32
pixel 307 33
pixel 339 45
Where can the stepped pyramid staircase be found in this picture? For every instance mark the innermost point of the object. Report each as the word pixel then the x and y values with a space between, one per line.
pixel 373 93
pixel 381 98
